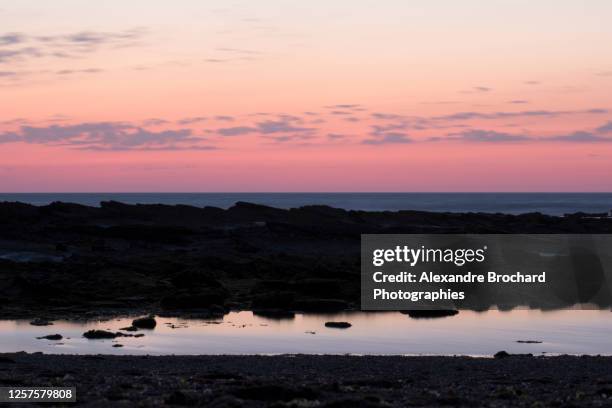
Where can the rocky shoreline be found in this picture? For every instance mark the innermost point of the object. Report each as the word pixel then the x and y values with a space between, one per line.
pixel 318 381
pixel 69 261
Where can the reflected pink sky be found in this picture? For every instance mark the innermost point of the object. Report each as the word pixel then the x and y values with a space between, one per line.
pixel 468 333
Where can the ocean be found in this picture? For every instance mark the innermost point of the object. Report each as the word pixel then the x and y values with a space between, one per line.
pixel 509 203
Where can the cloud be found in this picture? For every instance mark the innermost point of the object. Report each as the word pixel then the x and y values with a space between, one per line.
pixel 477 89
pixel 526 113
pixel 389 138
pixel 79 71
pixel 379 130
pixel 386 116
pixel 479 135
pixel 149 148
pixel 6 74
pixel 492 136
pixel 228 54
pixel 607 128
pixel 24 51
pixel 8 56
pixel 155 122
pixel 106 136
pixel 289 138
pixel 580 137
pixel 88 41
pixel 604 74
pixel 192 120
pixel 518 101
pixel 287 124
pixel 349 106
pixel 281 126
pixel 11 38
pixel 240 51
pixel 15 121
pixel 224 118
pixel 236 131
pixel 385 122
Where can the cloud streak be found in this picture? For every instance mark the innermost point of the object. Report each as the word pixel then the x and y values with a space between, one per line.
pixel 22 54
pixel 389 138
pixel 492 136
pixel 285 124
pixel 157 134
pixel 111 136
pixel 485 136
pixel 518 114
pixel 71 45
pixel 580 137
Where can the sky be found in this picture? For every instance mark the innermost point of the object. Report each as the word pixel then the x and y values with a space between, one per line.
pixel 282 95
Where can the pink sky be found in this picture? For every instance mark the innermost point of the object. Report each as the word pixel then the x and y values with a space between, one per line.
pixel 292 96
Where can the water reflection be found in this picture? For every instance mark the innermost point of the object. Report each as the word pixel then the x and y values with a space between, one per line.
pixel 468 333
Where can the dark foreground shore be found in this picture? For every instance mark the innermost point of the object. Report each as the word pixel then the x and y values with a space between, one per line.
pixel 318 381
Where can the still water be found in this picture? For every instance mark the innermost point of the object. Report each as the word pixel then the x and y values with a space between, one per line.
pixel 468 333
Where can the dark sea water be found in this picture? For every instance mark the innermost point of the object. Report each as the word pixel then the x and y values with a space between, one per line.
pixel 510 203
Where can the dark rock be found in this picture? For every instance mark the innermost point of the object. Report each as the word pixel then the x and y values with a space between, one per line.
pixel 217 310
pixel 501 354
pixel 181 398
pixel 144 323
pixel 274 300
pixel 318 287
pixel 41 322
pixel 217 375
pixel 61 248
pixel 338 325
pixel 189 300
pixel 51 337
pixel 129 329
pixel 529 341
pixel 189 259
pixel 321 305
pixel 194 279
pixel 430 314
pixel 275 285
pixel 117 345
pixel 119 334
pixel 273 392
pixel 163 234
pixel 99 334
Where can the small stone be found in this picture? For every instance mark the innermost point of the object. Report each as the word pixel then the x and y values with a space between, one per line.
pixel 145 323
pixel 99 334
pixel 338 325
pixel 41 322
pixel 51 337
pixel 501 354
